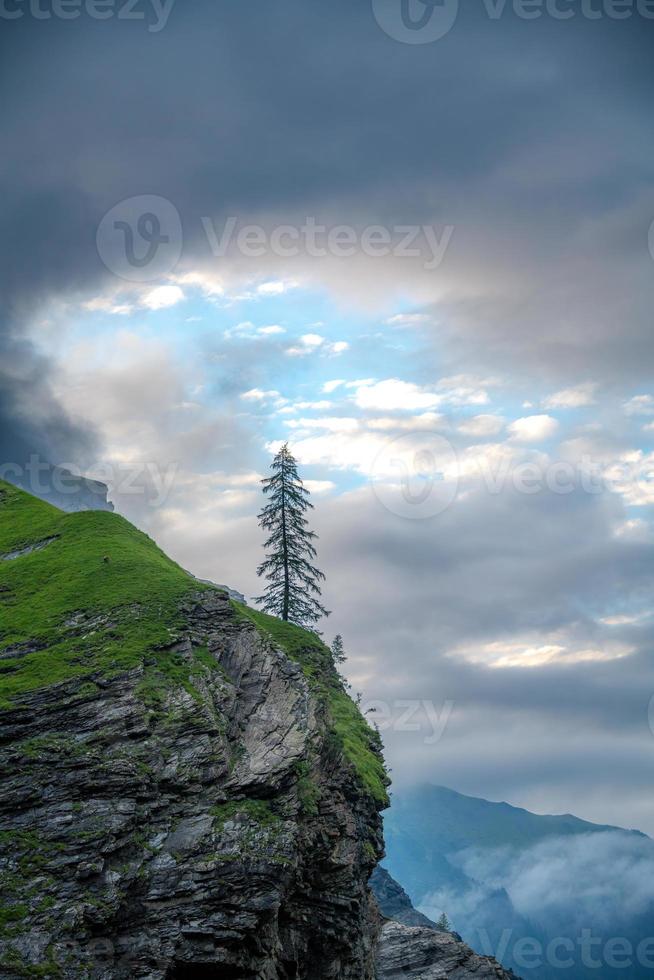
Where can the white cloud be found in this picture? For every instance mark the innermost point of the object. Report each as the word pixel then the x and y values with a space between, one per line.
pixel 533 428
pixel 334 424
pixel 339 347
pixel 209 285
pixel 393 394
pixel 103 304
pixel 466 389
pixel 312 340
pixel 408 320
pixel 330 386
pixel 319 406
pixel 426 420
pixel 309 343
pixel 275 287
pixel 257 395
pixel 640 405
pixel 631 474
pixel 482 426
pixel 577 397
pixel 162 296
pixel 319 486
pixel 540 651
pixel 247 330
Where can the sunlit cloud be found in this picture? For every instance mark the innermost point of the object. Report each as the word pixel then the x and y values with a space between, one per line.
pixel 162 296
pixel 533 428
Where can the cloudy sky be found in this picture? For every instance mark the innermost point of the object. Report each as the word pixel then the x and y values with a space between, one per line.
pixel 416 242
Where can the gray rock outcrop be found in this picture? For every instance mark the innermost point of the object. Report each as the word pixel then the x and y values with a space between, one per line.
pixel 421 953
pixel 168 831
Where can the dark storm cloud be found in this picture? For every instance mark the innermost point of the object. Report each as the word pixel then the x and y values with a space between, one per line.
pixel 529 136
pixel 31 421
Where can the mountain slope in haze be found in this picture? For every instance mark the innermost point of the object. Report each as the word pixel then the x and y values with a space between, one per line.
pixel 503 874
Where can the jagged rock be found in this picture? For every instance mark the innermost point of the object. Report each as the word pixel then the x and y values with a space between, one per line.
pixel 419 953
pixel 232 593
pixel 393 901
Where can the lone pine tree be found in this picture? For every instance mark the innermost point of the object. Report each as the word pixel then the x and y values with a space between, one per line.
pixel 293 590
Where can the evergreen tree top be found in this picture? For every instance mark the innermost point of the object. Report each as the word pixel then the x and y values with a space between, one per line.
pixel 293 588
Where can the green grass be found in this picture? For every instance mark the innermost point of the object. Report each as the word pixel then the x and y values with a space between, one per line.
pixel 134 594
pixel 359 743
pixel 10 916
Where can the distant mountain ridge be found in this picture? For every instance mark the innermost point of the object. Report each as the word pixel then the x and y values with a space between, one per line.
pixel 503 874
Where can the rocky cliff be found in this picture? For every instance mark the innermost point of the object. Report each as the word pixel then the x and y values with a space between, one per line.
pixel 185 788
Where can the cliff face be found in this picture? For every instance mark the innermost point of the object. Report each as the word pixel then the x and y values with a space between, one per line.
pixel 185 788
pixel 393 901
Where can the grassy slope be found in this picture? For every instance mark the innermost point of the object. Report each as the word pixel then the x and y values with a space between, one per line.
pixel 135 592
pixel 100 566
